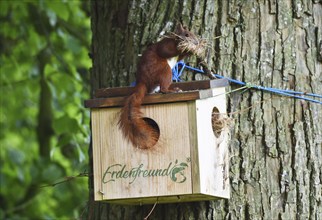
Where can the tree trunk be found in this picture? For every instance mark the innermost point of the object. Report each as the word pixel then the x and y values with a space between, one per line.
pixel 275 148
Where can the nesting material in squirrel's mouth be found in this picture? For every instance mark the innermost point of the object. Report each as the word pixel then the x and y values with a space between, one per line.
pixel 193 45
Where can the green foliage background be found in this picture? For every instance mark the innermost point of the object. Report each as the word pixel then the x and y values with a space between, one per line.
pixel 44 132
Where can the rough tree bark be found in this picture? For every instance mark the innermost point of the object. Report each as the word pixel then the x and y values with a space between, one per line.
pixel 275 149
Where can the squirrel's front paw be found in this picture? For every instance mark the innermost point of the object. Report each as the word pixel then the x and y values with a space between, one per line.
pixel 177 89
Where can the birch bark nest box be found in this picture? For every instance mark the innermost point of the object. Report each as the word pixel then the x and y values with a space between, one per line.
pixel 188 163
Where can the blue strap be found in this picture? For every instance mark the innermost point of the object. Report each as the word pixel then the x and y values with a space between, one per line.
pixel 176 74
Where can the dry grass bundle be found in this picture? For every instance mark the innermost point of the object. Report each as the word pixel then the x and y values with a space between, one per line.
pixel 189 45
pixel 220 122
pixel 194 45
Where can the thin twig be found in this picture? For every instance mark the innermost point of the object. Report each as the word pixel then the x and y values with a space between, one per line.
pixel 146 218
pixel 67 179
pixel 207 70
pixel 250 107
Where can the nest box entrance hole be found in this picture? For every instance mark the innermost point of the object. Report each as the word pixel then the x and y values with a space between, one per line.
pixel 155 127
pixel 218 122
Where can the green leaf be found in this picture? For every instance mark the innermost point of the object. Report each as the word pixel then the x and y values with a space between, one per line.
pixel 81 155
pixel 65 124
pixel 52 17
pixel 60 9
pixel 16 156
pixel 52 173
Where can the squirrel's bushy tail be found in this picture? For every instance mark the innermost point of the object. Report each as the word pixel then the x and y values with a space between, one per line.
pixel 134 127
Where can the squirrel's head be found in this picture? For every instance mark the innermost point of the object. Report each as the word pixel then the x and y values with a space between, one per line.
pixel 188 41
pixel 184 34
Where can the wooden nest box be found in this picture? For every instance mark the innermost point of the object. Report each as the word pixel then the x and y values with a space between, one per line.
pixel 188 163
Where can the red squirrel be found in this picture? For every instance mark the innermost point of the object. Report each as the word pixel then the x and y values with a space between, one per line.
pixel 154 69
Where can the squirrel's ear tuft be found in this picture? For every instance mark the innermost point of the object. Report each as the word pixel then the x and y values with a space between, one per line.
pixel 179 28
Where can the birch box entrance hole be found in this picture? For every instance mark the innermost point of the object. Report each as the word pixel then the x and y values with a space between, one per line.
pixel 217 121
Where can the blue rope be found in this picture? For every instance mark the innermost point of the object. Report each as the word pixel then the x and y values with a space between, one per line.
pixel 176 74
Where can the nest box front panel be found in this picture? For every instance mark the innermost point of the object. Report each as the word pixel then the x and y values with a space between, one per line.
pixel 122 171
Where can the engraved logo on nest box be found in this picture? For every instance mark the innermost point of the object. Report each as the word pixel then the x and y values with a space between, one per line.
pixel 175 171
